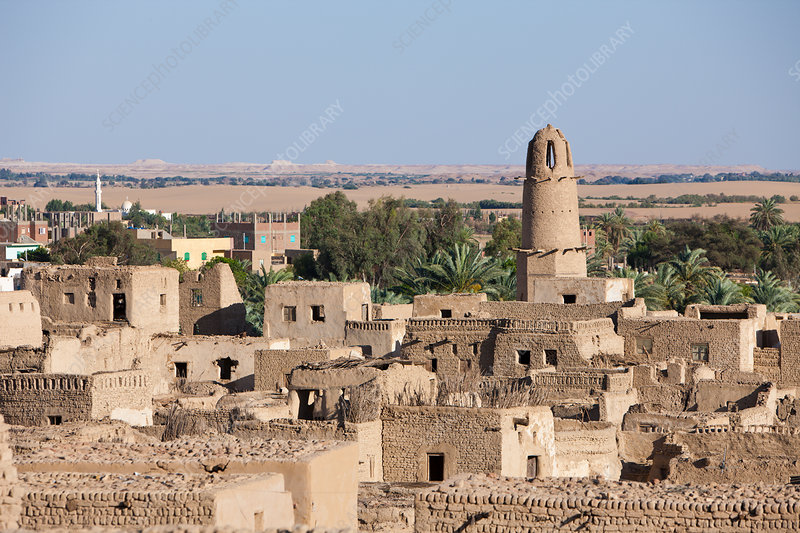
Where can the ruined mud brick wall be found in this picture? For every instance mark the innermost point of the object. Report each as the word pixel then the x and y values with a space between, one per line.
pixel 392 311
pixel 75 293
pixel 91 348
pixel 535 311
pixel 586 449
pixel 457 305
pixel 210 303
pixel 20 320
pixel 377 338
pixel 585 382
pixel 767 362
pixel 22 359
pixel 28 399
pixel 454 344
pixel 469 438
pixel 123 390
pixel 508 505
pixel 575 344
pixel 69 500
pixel 203 356
pixel 272 366
pixel 730 342
pixel 338 301
pixel 790 352
pixel 384 507
pixel 320 475
pixel 10 489
pixel 715 395
pixel 759 454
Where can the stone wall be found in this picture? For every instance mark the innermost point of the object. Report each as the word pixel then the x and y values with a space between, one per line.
pixel 767 362
pixel 20 320
pixel 273 366
pixel 470 439
pixel 377 338
pixel 143 296
pixel 730 342
pixel 790 352
pixel 42 399
pixel 10 490
pixel 456 305
pixel 210 303
pixel 125 395
pixel 586 449
pixel 310 312
pixel 480 503
pixel 77 501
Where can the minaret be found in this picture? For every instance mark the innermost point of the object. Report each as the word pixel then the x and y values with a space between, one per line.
pixel 551 238
pixel 98 194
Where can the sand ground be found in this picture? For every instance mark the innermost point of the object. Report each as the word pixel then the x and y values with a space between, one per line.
pixel 209 199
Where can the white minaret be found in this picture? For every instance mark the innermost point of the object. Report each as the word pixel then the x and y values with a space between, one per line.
pixel 97 194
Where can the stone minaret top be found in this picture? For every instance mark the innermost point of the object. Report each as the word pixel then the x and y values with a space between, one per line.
pixel 551 239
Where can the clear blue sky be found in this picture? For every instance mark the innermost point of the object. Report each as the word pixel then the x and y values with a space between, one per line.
pixel 445 81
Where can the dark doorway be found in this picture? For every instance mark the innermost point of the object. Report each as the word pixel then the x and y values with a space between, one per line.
pixel 570 298
pixel 119 307
pixel 226 367
pixel 304 411
pixel 435 467
pixel 181 370
pixel 54 420
pixel 551 357
pixel 533 466
pixel 524 357
pixel 447 313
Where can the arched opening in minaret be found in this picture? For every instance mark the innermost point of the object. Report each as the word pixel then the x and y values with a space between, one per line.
pixel 551 155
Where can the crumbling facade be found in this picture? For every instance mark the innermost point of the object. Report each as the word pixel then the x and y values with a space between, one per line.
pixel 210 303
pixel 144 297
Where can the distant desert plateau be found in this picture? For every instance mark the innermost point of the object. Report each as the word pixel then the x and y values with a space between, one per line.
pixel 198 199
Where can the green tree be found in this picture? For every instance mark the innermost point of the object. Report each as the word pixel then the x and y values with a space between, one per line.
pixel 239 269
pixel 461 268
pixel 722 291
pixel 766 214
pixel 39 255
pixel 693 271
pixel 770 291
pixel 507 234
pixel 446 228
pixel 254 295
pixel 107 239
pixel 331 225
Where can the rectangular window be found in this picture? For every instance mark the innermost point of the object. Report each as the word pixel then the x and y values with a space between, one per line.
pixel 69 297
pixel 435 467
pixel 120 308
pixel 163 299
pixel 318 313
pixel 246 239
pixel 524 357
pixel 533 466
pixel 292 238
pixel 644 346
pixel 91 299
pixel 181 370
pixel 446 313
pixel 196 329
pixel 263 239
pixel 569 298
pixel 433 365
pixel 700 353
pixel 550 357
pixel 476 348
pixel 197 297
pixel 289 313
pixel 186 256
pixel 54 420
pixel 119 284
pixel 365 312
pixel 92 283
pixel 204 256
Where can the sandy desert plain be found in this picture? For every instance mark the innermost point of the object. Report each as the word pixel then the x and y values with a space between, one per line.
pixel 197 199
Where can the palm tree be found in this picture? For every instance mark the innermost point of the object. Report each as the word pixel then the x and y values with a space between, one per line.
pixel 766 214
pixel 722 291
pixel 463 268
pixel 505 288
pixel 771 292
pixel 616 226
pixel 254 294
pixel 644 286
pixel 412 279
pixel 693 270
pixel 386 296
pixel 655 227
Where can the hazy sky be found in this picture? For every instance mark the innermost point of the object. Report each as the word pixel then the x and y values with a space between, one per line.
pixel 445 81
